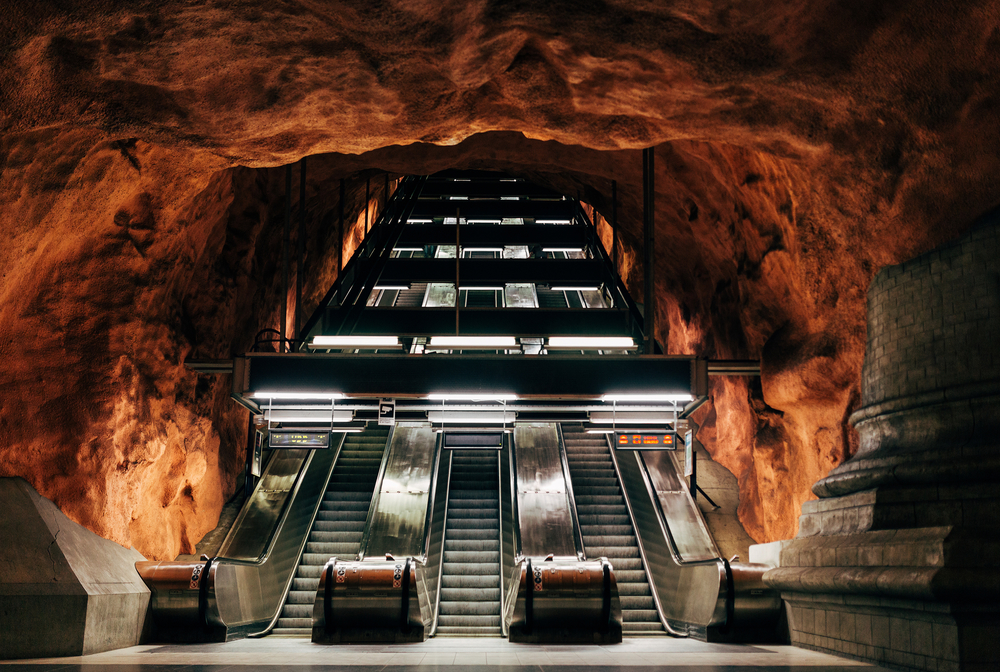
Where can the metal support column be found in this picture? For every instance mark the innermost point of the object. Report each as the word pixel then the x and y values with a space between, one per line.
pixel 340 227
pixel 614 225
pixel 649 243
pixel 299 274
pixel 285 243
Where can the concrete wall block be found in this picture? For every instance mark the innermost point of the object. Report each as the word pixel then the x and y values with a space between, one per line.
pixel 899 633
pixel 922 637
pixel 881 634
pixel 863 629
pixel 63 589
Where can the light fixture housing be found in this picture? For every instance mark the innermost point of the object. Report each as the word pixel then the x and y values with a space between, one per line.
pixel 355 342
pixel 591 343
pixel 473 342
pixel 392 288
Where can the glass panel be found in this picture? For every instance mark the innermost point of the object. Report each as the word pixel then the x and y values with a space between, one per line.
pixel 515 252
pixel 593 300
pixel 440 295
pixel 520 295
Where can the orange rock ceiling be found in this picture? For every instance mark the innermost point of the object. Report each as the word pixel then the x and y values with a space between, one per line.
pixel 800 147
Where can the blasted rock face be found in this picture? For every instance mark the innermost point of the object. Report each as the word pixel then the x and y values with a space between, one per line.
pixel 800 147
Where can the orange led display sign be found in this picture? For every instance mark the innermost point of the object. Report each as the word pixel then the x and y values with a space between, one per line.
pixel 645 440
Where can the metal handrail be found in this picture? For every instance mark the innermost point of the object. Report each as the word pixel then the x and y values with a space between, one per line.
pixel 581 549
pixel 444 532
pixel 672 544
pixel 514 510
pixel 373 507
pixel 642 550
pixel 272 541
pixel 432 494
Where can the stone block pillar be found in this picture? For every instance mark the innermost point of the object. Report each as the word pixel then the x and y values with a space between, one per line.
pixel 64 591
pixel 898 561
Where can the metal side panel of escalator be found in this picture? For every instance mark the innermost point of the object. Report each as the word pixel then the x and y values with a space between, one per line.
pixel 386 589
pixel 696 592
pixel 240 592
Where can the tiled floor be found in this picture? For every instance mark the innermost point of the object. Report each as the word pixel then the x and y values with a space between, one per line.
pixel 300 655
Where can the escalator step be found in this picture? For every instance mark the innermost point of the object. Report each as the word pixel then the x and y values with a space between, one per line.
pixel 301 596
pixel 470 581
pixel 607 528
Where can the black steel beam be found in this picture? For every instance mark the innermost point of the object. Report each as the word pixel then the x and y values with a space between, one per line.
pixel 491 322
pixel 492 271
pixel 409 376
pixel 543 210
pixel 488 190
pixel 473 235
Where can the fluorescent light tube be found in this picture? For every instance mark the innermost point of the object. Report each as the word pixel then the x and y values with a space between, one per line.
pixel 482 289
pixel 481 249
pixel 591 342
pixel 574 289
pixel 553 221
pixel 296 395
pixel 678 398
pixel 562 249
pixel 355 342
pixel 461 342
pixel 472 396
pixel 392 288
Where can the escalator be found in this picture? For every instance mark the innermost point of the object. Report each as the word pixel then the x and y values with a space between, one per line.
pixel 338 528
pixel 607 528
pixel 470 580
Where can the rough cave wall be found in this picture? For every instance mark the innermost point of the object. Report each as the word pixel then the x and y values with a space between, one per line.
pixel 800 146
pixel 130 259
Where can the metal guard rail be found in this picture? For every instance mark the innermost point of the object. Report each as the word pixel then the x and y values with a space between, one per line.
pixel 390 222
pixel 621 296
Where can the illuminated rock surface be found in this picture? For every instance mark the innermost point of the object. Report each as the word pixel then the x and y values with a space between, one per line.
pixel 800 147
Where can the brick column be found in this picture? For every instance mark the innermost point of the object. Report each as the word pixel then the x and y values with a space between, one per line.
pixel 898 561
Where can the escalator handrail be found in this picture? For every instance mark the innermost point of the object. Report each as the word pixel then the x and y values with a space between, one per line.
pixel 376 495
pixel 664 525
pixel 432 495
pixel 272 541
pixel 581 552
pixel 275 531
pixel 444 532
pixel 660 611
pixel 515 513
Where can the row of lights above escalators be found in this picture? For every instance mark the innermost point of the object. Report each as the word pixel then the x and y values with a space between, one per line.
pixel 475 342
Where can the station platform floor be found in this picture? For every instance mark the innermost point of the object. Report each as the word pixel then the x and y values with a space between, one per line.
pixel 473 654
